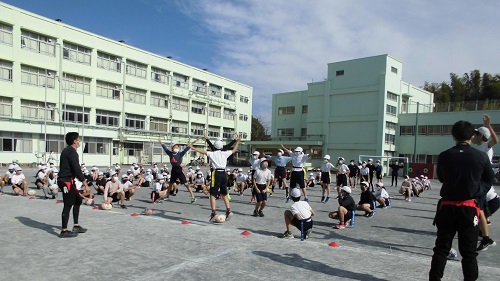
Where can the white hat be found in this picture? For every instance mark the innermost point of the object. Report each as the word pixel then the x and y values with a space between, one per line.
pixel 311 174
pixel 218 139
pixel 160 177
pixel 341 158
pixel 370 159
pixel 299 149
pixel 281 150
pixel 327 157
pixel 199 173
pixel 365 183
pixel 295 192
pixel 484 132
pixel 256 153
pixel 100 174
pixel 19 169
pixel 346 189
pixel 218 144
pixel 124 176
pixel 240 170
pixel 379 184
pixel 198 168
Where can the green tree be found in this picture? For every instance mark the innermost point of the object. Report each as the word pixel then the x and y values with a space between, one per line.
pixel 457 88
pixel 259 130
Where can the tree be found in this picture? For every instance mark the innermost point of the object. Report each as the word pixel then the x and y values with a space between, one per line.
pixel 259 130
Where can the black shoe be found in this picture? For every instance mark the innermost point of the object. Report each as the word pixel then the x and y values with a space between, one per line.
pixel 123 206
pixel 261 214
pixel 255 213
pixel 46 197
pixel 53 197
pixel 485 244
pixel 370 215
pixel 68 234
pixel 79 229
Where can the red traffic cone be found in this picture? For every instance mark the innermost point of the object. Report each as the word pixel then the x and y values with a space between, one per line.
pixel 185 222
pixel 245 233
pixel 134 215
pixel 95 208
pixel 333 244
pixel 32 198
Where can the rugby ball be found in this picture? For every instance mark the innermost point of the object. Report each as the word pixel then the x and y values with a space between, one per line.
pixel 220 218
pixel 54 187
pixel 453 254
pixel 148 212
pixel 31 192
pixel 89 202
pixel 105 206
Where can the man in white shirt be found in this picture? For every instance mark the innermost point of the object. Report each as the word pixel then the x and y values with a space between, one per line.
pixel 261 180
pixel 298 175
pixel 218 160
pixel 18 181
pixel 299 211
pixel 113 192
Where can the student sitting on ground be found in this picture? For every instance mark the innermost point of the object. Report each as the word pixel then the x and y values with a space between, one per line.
pixel 366 200
pixel 346 206
pixel 311 180
pixel 100 183
pixel 406 189
pixel 18 181
pixel 417 187
pixel 382 196
pixel 199 183
pixel 128 187
pixel 300 210
pixel 51 188
pixel 241 182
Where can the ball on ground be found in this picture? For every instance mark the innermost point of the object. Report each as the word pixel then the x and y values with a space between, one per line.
pixel 89 202
pixel 54 187
pixel 105 206
pixel 31 192
pixel 148 212
pixel 453 254
pixel 220 218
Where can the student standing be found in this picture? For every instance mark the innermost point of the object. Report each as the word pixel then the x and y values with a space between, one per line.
pixel 298 173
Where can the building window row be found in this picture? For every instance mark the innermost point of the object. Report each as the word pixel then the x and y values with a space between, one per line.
pixel 159 100
pixel 96 145
pixel 392 96
pixel 159 75
pixel 136 69
pixel 197 129
pixel 213 132
pixel 16 142
pixel 76 84
pixel 158 124
pixel 134 121
pixel 180 104
pixel 179 127
pixel 38 77
pixel 108 90
pixel 229 95
pixel 6 70
pixel 434 130
pixel 5 106
pixel 198 108
pixel 77 53
pixel 243 117
pixel 108 62
pixel 136 95
pixel 390 139
pixel 38 43
pixel 286 110
pixel 390 126
pixel 391 110
pixel 74 114
pixel 107 118
pixel 199 86
pixel 229 114
pixel 214 111
pixel 37 110
pixel 215 90
pixel 180 81
pixel 5 34
pixel 244 99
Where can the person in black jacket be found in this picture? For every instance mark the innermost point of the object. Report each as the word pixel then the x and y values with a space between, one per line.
pixel 394 173
pixel 461 170
pixel 366 200
pixel 371 167
pixel 69 169
pixel 346 206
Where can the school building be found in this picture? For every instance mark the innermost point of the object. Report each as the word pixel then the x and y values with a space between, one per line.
pixel 56 78
pixel 364 107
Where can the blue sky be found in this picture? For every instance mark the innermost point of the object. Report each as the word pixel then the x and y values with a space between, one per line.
pixel 280 45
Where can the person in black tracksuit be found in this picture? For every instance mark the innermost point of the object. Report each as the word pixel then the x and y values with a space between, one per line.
pixel 394 173
pixel 371 167
pixel 69 169
pixel 460 169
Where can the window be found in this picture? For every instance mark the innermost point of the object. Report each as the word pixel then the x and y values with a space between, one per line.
pixel 215 90
pixel 180 104
pixel 404 105
pixel 179 127
pixel 133 148
pixel 159 100
pixel 406 130
pixel 434 130
pixel 198 108
pixel 339 73
pixel 422 130
pixel 243 117
pixel 76 84
pixel 134 121
pixel 243 135
pixel 16 142
pixel 227 133
pixel 158 124
pixel 136 95
pixel 136 69
pixel 107 118
pixel 394 70
pixel 197 129
pixel 108 62
pixel 5 106
pixel 6 34
pixel 181 81
pixel 54 143
pixel 391 110
pixel 74 114
pixel 96 145
pixel 36 110
pixel 303 132
pixel 390 126
pixel 5 70
pixel 392 96
pixel 199 86
pixel 213 132
pixel 390 139
pixel 214 111
pixel 38 43
pixel 446 129
pixel 244 99
pixel 229 114
pixel 286 110
pixel 229 94
pixel 108 90
pixel 159 75
pixel 37 76
pixel 116 147
pixel 77 53
pixel 288 132
pixel 304 109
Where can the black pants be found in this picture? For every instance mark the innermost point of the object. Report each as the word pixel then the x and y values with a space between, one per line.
pixel 297 178
pixel 371 182
pixel 394 179
pixel 70 199
pixel 449 220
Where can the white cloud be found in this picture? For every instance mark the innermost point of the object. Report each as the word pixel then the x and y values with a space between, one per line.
pixel 278 46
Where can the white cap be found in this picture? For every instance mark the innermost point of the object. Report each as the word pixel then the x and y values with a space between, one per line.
pixel 160 177
pixel 346 189
pixel 218 139
pixel 100 174
pixel 341 158
pixel 198 168
pixel 327 157
pixel 124 176
pixel 295 192
pixel 19 169
pixel 240 170
pixel 484 132
pixel 218 144
pixel 370 159
pixel 379 184
pixel 311 174
pixel 118 167
pixel 365 183
pixel 281 150
pixel 298 149
pixel 256 153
